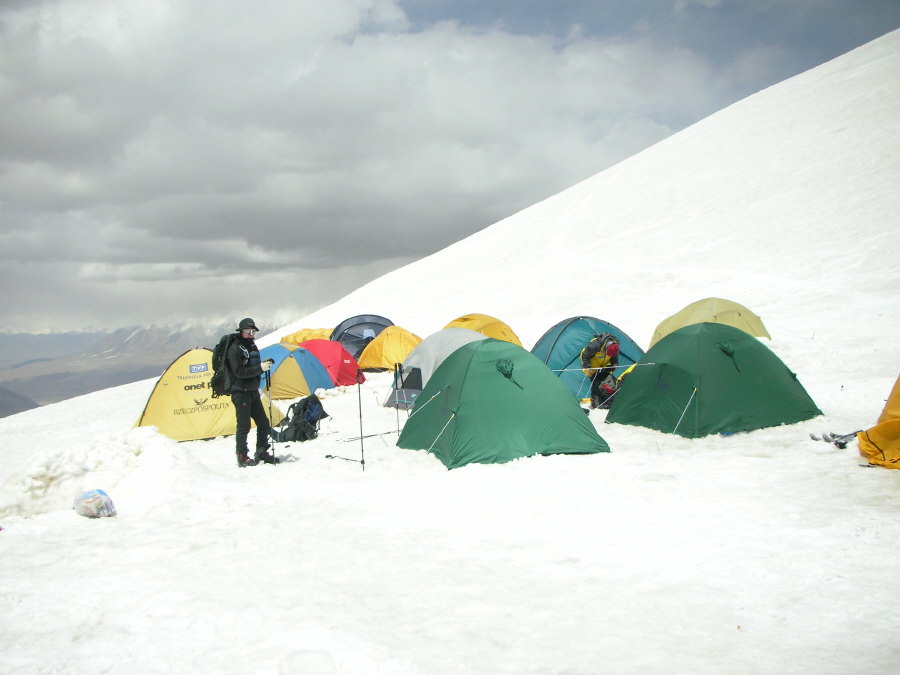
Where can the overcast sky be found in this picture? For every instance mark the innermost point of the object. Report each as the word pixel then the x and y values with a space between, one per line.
pixel 168 161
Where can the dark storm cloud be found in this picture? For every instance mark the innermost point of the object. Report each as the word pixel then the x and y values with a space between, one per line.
pixel 188 158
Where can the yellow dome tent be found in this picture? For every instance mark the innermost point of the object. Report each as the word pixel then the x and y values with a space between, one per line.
pixel 390 346
pixel 486 325
pixel 305 334
pixel 712 310
pixel 181 405
pixel 880 444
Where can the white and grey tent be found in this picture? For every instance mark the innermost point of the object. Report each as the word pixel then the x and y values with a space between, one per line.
pixel 413 374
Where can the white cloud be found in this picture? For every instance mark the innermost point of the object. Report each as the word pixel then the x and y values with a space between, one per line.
pixel 319 133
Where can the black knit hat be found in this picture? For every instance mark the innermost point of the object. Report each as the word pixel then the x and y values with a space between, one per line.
pixel 247 323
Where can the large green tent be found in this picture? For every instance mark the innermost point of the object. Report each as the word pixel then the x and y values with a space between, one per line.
pixel 491 401
pixel 710 378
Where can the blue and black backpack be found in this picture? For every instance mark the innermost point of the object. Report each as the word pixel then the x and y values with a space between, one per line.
pixel 301 422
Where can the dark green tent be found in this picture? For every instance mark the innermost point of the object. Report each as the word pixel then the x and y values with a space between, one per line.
pixel 710 378
pixel 491 401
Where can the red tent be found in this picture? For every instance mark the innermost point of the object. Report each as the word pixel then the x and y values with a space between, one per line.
pixel 341 366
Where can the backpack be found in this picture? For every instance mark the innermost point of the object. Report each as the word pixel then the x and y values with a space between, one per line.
pixel 301 422
pixel 222 378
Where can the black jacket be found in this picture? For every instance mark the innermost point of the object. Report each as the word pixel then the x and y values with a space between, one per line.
pixel 243 359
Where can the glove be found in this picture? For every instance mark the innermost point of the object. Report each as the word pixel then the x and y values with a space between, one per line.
pixel 265 365
pixel 588 373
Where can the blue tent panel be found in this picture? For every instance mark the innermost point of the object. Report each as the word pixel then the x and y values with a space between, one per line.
pixel 560 348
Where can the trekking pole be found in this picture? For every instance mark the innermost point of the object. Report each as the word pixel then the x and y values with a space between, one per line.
pixel 271 423
pixel 362 447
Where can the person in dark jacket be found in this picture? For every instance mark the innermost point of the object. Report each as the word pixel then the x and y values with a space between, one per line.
pixel 599 359
pixel 243 360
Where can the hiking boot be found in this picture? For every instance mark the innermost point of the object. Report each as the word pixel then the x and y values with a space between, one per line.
pixel 263 455
pixel 243 459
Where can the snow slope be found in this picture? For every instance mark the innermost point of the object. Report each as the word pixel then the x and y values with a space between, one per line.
pixel 755 553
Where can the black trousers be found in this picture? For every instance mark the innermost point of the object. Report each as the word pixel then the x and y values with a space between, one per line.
pixel 247 406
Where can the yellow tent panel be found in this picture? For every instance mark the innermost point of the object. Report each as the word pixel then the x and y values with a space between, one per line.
pixel 390 346
pixel 880 444
pixel 305 334
pixel 712 310
pixel 892 406
pixel 486 325
pixel 181 405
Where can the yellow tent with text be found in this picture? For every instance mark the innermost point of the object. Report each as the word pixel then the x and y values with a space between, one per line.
pixel 181 405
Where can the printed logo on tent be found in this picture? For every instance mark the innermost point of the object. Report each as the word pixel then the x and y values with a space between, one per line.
pixel 199 367
pixel 202 407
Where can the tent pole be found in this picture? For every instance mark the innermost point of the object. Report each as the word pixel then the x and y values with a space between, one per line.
pixel 362 448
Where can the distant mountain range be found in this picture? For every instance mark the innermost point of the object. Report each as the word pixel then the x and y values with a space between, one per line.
pixel 12 403
pixel 38 369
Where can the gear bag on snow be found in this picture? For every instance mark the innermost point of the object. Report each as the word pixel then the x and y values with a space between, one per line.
pixel 301 422
pixel 222 378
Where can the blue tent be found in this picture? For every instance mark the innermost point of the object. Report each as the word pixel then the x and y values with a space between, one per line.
pixel 296 372
pixel 560 348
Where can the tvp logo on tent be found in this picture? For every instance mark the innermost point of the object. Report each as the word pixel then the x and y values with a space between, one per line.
pixel 199 367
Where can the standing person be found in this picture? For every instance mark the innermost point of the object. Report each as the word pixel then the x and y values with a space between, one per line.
pixel 243 360
pixel 599 358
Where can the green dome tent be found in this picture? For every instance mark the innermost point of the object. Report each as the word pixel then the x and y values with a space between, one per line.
pixel 710 378
pixel 490 402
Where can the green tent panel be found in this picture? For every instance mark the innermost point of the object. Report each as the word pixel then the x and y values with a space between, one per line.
pixel 710 378
pixel 492 401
